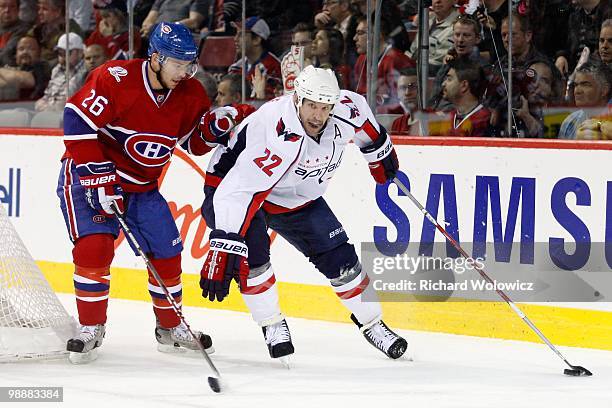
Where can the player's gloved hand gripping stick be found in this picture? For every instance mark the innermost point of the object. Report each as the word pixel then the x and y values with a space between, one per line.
pixel 573 370
pixel 382 159
pixel 102 186
pixel 226 260
pixel 214 380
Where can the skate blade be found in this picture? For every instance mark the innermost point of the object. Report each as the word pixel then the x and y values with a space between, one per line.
pixel 286 361
pixel 83 358
pixel 171 349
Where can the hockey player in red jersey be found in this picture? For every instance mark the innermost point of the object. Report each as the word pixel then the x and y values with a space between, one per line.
pixel 121 128
pixel 273 174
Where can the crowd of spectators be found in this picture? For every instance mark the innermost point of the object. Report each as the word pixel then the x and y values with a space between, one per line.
pixel 561 56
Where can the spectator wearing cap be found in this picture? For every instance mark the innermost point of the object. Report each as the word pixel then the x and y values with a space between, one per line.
pixel 257 55
pixel 28 76
pixel 54 98
pixel 11 30
pixel 112 31
pixel 94 56
pixel 191 13
pixel 51 25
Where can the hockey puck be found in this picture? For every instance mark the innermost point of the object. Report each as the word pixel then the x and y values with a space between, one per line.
pixel 567 371
pixel 214 384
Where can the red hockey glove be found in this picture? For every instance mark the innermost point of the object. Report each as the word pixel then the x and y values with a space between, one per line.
pixel 226 260
pixel 102 186
pixel 216 124
pixel 382 159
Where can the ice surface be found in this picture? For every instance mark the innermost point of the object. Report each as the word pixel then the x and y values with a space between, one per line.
pixel 333 367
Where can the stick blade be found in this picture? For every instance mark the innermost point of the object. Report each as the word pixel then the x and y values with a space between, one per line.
pixel 577 371
pixel 214 384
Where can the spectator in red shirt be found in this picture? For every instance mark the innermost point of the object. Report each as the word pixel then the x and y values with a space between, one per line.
pixel 407 90
pixel 390 62
pixel 112 31
pixel 463 87
pixel 257 55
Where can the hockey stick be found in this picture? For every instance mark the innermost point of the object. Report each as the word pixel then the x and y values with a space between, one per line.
pixel 214 381
pixel 573 370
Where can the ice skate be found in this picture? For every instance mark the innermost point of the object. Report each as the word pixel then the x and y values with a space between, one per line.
pixel 383 338
pixel 278 340
pixel 83 347
pixel 178 340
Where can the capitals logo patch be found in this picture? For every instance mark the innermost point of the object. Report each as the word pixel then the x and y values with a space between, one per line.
pixel 118 72
pixel 286 133
pixel 354 111
pixel 150 150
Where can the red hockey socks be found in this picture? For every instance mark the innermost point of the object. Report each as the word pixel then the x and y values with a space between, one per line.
pixel 92 256
pixel 169 270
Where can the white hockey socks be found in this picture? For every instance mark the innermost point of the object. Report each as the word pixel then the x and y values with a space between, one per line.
pixel 261 295
pixel 357 295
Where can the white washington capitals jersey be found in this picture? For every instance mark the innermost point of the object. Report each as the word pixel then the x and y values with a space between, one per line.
pixel 271 162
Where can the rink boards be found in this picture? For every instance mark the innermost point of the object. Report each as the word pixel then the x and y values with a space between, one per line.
pixel 568 182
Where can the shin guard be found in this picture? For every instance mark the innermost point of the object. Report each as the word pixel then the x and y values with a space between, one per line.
pixel 169 270
pixel 261 295
pixel 351 286
pixel 92 256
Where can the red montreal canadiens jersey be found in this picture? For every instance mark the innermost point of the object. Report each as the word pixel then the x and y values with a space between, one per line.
pixel 116 117
pixel 271 162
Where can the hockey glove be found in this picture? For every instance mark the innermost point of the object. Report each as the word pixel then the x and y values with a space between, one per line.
pixel 381 158
pixel 226 260
pixel 216 124
pixel 102 186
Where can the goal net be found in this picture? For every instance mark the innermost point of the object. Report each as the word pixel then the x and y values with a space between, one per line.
pixel 33 322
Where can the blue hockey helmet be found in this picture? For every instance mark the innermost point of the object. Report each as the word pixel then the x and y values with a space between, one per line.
pixel 173 40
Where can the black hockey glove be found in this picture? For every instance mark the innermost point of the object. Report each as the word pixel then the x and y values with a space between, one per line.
pixel 226 260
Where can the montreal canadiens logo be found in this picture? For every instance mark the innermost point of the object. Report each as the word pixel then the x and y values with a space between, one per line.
pixel 150 150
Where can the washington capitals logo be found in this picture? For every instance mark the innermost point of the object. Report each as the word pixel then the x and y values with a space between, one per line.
pixel 282 132
pixel 353 108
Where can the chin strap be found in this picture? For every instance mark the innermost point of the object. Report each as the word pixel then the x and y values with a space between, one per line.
pixel 158 74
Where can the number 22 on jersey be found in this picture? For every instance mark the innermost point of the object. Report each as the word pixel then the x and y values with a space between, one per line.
pixel 266 162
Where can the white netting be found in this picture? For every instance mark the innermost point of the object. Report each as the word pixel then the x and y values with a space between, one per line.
pixel 33 322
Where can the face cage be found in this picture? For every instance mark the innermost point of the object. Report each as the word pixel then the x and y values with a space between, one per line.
pixel 189 70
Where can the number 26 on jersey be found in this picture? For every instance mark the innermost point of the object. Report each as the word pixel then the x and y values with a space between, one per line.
pixel 97 106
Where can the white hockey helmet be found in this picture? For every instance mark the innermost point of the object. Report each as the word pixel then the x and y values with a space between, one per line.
pixel 318 85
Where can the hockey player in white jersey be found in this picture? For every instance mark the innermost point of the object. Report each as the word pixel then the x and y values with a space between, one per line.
pixel 273 174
